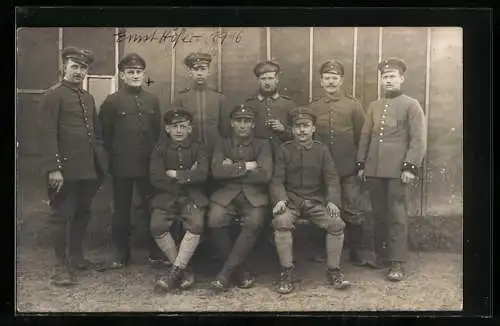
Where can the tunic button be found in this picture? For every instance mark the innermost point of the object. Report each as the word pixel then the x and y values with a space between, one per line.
pixel 383 121
pixel 387 105
pixel 381 134
pixel 181 167
pixel 188 180
pixel 140 113
pixel 88 134
pixel 381 128
pixel 381 141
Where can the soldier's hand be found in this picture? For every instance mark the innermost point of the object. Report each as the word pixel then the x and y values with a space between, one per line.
pixel 279 208
pixel 172 173
pixel 333 210
pixel 407 177
pixel 361 175
pixel 227 161
pixel 277 125
pixel 194 166
pixel 252 165
pixel 56 180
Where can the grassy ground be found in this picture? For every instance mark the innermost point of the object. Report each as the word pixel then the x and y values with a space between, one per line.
pixel 434 283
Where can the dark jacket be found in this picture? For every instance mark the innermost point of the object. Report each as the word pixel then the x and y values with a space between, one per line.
pixel 71 134
pixel 171 155
pixel 275 107
pixel 210 117
pixel 131 123
pixel 394 133
pixel 302 173
pixel 235 178
pixel 339 122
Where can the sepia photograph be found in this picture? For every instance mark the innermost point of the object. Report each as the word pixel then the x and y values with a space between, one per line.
pixel 239 169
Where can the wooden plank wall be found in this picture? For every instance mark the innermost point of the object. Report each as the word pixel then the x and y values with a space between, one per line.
pixel 233 62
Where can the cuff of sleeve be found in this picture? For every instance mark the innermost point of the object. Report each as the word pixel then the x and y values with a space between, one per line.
pixel 360 166
pixel 410 167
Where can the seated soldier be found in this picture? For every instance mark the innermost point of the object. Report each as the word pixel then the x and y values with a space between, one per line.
pixel 305 184
pixel 244 165
pixel 179 166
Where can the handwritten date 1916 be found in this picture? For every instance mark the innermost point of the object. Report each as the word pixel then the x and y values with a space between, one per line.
pixel 174 36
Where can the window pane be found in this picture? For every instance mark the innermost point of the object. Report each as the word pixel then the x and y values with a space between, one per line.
pixel 99 88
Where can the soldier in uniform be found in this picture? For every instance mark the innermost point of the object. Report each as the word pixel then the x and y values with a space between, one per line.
pixel 244 165
pixel 131 122
pixel 339 124
pixel 272 108
pixel 204 103
pixel 179 166
pixel 391 149
pixel 74 161
pixel 305 183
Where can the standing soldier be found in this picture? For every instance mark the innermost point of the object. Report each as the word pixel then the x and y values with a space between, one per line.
pixel 204 103
pixel 305 183
pixel 339 124
pixel 272 108
pixel 244 164
pixel 73 160
pixel 131 122
pixel 391 148
pixel 178 167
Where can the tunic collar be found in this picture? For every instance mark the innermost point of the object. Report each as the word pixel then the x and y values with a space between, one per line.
pixel 77 87
pixel 235 140
pixel 332 97
pixel 261 97
pixel 300 146
pixel 393 94
pixel 132 89
pixel 186 143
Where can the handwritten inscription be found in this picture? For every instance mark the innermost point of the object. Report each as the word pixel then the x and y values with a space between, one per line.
pixel 149 81
pixel 176 36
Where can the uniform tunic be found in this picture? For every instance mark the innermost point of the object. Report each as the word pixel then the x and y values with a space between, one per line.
pixel 302 173
pixel 307 178
pixel 277 107
pixel 71 133
pixel 171 155
pixel 131 122
pixel 235 178
pixel 338 125
pixel 394 133
pixel 210 119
